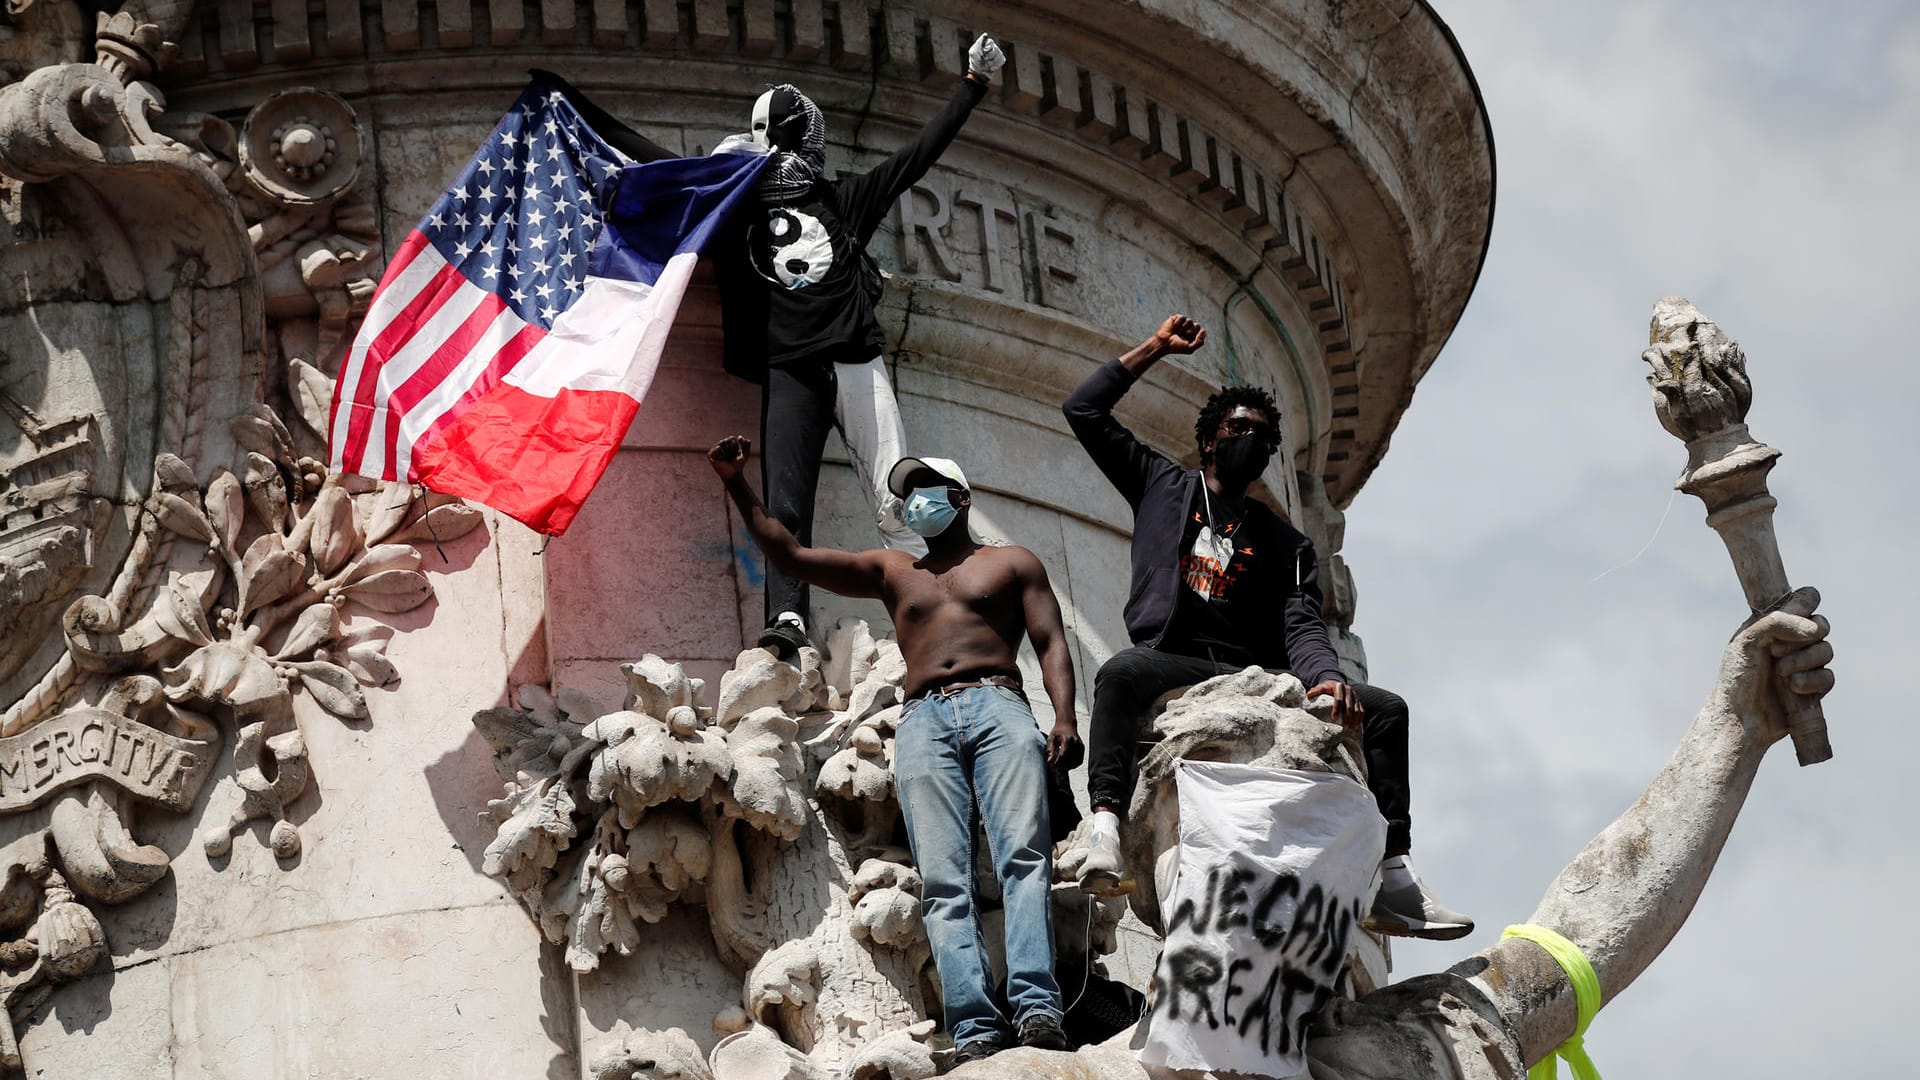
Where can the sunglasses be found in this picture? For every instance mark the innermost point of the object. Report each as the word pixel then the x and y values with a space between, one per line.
pixel 1241 425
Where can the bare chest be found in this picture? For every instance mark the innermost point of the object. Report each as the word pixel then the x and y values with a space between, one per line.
pixel 976 586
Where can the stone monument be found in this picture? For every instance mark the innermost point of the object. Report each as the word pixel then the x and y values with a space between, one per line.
pixel 249 828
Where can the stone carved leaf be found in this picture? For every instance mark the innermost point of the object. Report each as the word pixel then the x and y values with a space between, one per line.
pixel 260 430
pixel 886 903
pixel 368 662
pixel 766 789
pixel 851 653
pixel 268 572
pixel 535 825
pixel 671 848
pixel 656 687
pixel 645 763
pixel 226 508
pixel 179 615
pixel 889 917
pixel 335 688
pixel 316 626
pixel 531 741
pixel 266 492
pixel 384 557
pixel 757 681
pixel 897 1055
pixel 602 920
pixel 812 691
pixel 391 591
pixel 182 517
pixel 880 687
pixel 440 524
pixel 173 475
pixel 335 534
pixel 225 673
pixel 652 1055
pixel 312 395
pixel 787 976
pixel 390 506
pixel 859 771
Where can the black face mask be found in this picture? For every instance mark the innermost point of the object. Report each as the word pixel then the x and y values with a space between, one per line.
pixel 1239 461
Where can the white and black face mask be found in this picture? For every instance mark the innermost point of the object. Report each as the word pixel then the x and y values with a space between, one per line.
pixel 762 112
pixel 788 124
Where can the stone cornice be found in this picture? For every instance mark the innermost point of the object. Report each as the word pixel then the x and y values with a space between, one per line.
pixel 1342 151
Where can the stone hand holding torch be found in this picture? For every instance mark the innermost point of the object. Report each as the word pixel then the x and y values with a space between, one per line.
pixel 1701 393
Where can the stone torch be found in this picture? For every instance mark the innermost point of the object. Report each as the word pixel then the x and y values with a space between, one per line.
pixel 1701 392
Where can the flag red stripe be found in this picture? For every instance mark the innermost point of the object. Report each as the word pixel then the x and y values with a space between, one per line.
pixel 503 361
pixel 438 366
pixel 442 287
pixel 356 382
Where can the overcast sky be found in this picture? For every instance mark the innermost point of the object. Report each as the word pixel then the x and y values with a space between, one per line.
pixel 1759 157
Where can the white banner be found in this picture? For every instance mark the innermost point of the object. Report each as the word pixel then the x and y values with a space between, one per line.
pixel 1275 871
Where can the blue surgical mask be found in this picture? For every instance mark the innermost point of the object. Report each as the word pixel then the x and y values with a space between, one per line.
pixel 928 511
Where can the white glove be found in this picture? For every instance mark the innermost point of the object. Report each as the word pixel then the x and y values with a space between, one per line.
pixel 985 57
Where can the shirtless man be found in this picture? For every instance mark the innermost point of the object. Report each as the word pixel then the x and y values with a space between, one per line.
pixel 965 736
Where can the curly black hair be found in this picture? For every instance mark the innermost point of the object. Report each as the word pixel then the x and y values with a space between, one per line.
pixel 1224 402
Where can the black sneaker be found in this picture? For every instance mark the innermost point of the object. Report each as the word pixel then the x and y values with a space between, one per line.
pixel 1042 1032
pixel 786 635
pixel 977 1050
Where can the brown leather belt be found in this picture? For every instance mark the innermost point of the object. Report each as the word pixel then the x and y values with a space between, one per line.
pixel 1010 682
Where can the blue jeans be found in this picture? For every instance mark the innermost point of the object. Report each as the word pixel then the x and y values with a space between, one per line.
pixel 980 745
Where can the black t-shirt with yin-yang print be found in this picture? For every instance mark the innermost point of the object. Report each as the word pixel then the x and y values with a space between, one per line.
pixel 795 280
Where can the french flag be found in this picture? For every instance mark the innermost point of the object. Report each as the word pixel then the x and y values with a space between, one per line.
pixel 520 323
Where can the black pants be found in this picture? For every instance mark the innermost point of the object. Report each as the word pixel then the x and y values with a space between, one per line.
pixel 796 413
pixel 1127 685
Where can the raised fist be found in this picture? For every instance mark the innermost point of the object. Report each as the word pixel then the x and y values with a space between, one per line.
pixel 1179 334
pixel 985 57
pixel 729 456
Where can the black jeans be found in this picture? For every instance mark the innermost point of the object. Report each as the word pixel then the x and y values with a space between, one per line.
pixel 1127 685
pixel 796 413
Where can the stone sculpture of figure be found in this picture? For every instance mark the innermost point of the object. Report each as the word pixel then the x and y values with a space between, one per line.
pixel 1620 901
pixel 1221 582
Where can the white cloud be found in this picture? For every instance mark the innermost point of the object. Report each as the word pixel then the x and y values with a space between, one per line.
pixel 1759 158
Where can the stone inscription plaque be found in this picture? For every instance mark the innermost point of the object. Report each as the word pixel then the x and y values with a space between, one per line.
pixel 94 744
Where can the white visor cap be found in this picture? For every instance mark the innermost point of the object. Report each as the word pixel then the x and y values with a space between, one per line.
pixel 905 467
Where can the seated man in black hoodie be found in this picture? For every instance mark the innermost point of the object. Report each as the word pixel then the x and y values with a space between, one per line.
pixel 1220 583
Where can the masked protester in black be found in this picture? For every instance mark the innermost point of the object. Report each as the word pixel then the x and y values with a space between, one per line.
pixel 799 317
pixel 798 292
pixel 1221 583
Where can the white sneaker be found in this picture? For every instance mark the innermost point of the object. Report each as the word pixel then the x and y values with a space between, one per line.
pixel 1102 869
pixel 1404 908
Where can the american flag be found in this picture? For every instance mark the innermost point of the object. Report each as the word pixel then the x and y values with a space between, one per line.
pixel 521 321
